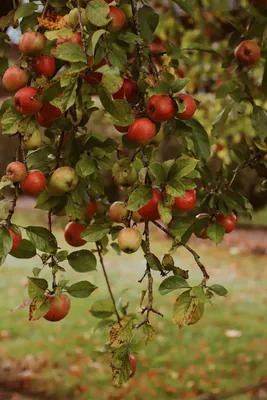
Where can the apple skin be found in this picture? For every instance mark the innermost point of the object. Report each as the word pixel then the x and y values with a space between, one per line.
pixel 76 39
pixel 118 19
pixel 187 202
pixel 32 44
pixel 15 78
pixel 91 209
pixel 72 234
pixel 34 183
pixel 45 65
pixel 59 308
pixel 117 212
pixel 229 222
pixel 247 53
pixel 190 106
pixel 48 115
pixel 33 142
pixel 129 240
pixel 92 77
pixel 124 173
pixel 132 359
pixel 24 102
pixel 160 108
pixel 121 129
pixel 16 239
pixel 150 210
pixel 142 131
pixel 16 172
pixel 128 91
pixel 63 180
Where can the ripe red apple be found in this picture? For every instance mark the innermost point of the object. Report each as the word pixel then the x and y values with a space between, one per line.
pixel 45 65
pixel 229 222
pixel 247 53
pixel 129 240
pixel 160 108
pixel 72 234
pixel 16 239
pixel 203 234
pixel 24 101
pixel 33 142
pixel 187 202
pixel 34 183
pixel 150 210
pixel 32 44
pixel 142 131
pixel 63 180
pixel 92 77
pixel 121 129
pixel 128 91
pixel 117 212
pixel 91 209
pixel 76 39
pixel 118 19
pixel 133 365
pixel 48 115
pixel 15 78
pixel 59 308
pixel 190 106
pixel 16 171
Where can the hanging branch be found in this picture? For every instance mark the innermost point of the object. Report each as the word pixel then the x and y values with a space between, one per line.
pixel 81 25
pixel 101 259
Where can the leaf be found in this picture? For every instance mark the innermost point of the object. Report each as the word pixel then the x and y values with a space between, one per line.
pixel 218 289
pixel 95 38
pixel 25 10
pixel 175 188
pixel 186 5
pixel 82 261
pixel 121 333
pixel 149 20
pixel 198 292
pixel 25 250
pixel 75 204
pixel 159 172
pixel 153 262
pixel 86 166
pixel 120 365
pixel 187 310
pixel 216 232
pixel 60 33
pixel 172 283
pixel 200 139
pixel 183 166
pixel 10 121
pixel 201 47
pixel 96 232
pixel 36 287
pixel 164 212
pixel 119 109
pixel 97 12
pixel 179 84
pixel 259 121
pixel 149 333
pixel 42 239
pixel 5 241
pixel 71 52
pixel 7 20
pixel 81 289
pixel 102 308
pixel 139 197
pixel 180 226
pixel 130 37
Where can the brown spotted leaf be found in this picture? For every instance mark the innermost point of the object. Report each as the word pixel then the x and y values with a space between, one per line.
pixel 121 333
pixel 187 310
pixel 120 365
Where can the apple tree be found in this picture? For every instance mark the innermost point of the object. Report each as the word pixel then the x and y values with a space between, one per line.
pixel 77 56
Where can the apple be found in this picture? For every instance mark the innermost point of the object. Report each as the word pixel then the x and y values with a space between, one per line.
pixel 124 172
pixel 157 46
pixel 59 307
pixel 128 91
pixel 16 239
pixel 122 129
pixel 129 239
pixel 133 365
pixel 127 10
pixel 15 78
pixel 219 147
pixel 32 44
pixel 118 212
pixel 34 183
pixel 33 142
pixel 118 19
pixel 159 138
pixel 203 234
pixel 63 180
pixel 16 171
pixel 142 131
pixel 150 210
pixel 91 209
pixel 136 217
pixel 48 115
pixel 76 39
pixel 229 222
pixel 72 234
pixel 92 77
pixel 190 106
pixel 187 202
pixel 247 53
pixel 45 65
pixel 160 108
pixel 24 101
pixel 73 19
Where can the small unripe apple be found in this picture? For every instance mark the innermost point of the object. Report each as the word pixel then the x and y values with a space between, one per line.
pixel 74 17
pixel 32 44
pixel 160 108
pixel 63 180
pixel 118 19
pixel 127 10
pixel 136 217
pixel 91 209
pixel 24 101
pixel 16 239
pixel 33 142
pixel 118 212
pixel 124 172
pixel 132 359
pixel 16 172
pixel 48 115
pixel 190 106
pixel 129 240
pixel 72 234
pixel 186 202
pixel 59 307
pixel 150 210
pixel 247 53
pixel 34 183
pixel 142 131
pixel 45 65
pixel 229 222
pixel 15 78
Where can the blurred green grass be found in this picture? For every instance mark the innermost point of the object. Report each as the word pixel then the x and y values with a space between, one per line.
pixel 180 363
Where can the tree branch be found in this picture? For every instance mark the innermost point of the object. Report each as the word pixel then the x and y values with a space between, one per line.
pixel 137 30
pixel 81 26
pixel 13 206
pixel 45 8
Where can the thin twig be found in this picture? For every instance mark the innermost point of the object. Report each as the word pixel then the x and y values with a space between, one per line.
pixel 98 246
pixel 60 144
pixel 45 8
pixel 81 26
pixel 244 165
pixel 137 29
pixel 238 392
pixel 13 206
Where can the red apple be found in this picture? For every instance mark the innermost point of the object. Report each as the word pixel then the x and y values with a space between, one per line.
pixel 142 131
pixel 15 78
pixel 24 101
pixel 190 106
pixel 160 108
pixel 203 234
pixel 59 308
pixel 91 209
pixel 45 65
pixel 48 115
pixel 229 222
pixel 34 183
pixel 32 44
pixel 150 210
pixel 118 19
pixel 187 202
pixel 157 46
pixel 16 172
pixel 72 234
pixel 247 53
pixel 133 365
pixel 128 91
pixel 16 239
pixel 117 212
pixel 129 240
pixel 122 129
pixel 76 39
pixel 92 77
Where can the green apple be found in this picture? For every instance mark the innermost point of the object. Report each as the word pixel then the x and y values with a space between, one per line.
pixel 63 180
pixel 127 9
pixel 33 142
pixel 73 19
pixel 124 172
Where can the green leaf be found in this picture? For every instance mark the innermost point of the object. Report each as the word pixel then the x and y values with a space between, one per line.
pixel 179 84
pixel 149 20
pixel 200 47
pixel 81 289
pixel 149 333
pixel 71 52
pixel 42 239
pixel 36 287
pixel 69 94
pixel 165 213
pixel 186 5
pixel 25 10
pixel 139 197
pixel 226 88
pixel 198 292
pixel 121 333
pixel 94 40
pixel 218 289
pixel 60 33
pixel 25 250
pixel 175 188
pixel 187 310
pixel 120 365
pixel 159 171
pixel 216 232
pixel 153 262
pixel 96 232
pixel 97 12
pixel 5 241
pixel 200 139
pixel 119 109
pixel 86 166
pixel 183 167
pixel 172 283
pixel 102 308
pixel 130 37
pixel 82 261
pixel 10 121
pixel 259 122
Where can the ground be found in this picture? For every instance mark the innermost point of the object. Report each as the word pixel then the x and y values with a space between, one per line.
pixel 227 349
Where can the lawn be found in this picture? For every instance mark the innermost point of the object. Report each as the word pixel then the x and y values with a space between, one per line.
pixel 225 350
